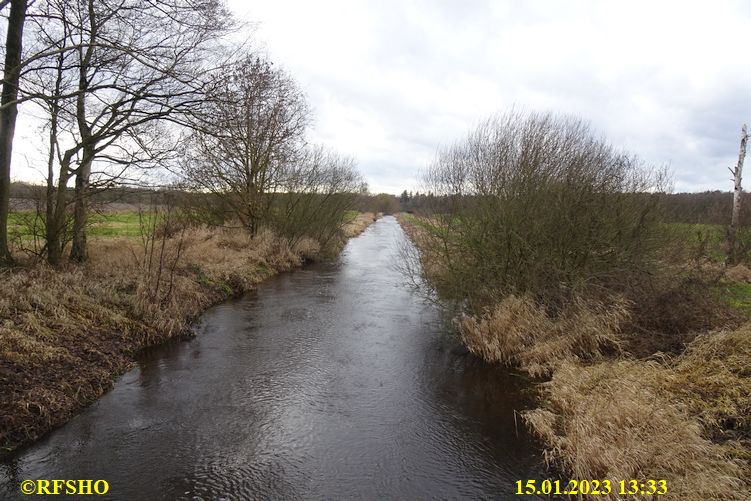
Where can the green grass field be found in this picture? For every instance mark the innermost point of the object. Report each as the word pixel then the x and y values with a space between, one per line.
pixel 737 294
pixel 708 239
pixel 114 224
pixel 117 224
pixel 109 224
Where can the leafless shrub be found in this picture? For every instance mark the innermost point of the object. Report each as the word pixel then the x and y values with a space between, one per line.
pixel 316 198
pixel 535 203
pixel 162 232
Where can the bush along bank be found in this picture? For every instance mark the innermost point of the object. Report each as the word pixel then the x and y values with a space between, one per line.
pixel 67 334
pixel 552 248
pixel 612 406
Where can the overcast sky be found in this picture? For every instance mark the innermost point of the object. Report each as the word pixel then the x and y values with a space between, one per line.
pixel 391 81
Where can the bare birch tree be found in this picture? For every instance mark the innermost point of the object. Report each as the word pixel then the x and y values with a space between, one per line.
pixel 737 195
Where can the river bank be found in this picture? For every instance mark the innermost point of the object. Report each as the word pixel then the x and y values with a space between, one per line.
pixel 334 381
pixel 621 396
pixel 68 334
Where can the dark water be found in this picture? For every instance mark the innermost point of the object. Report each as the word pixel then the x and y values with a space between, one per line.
pixel 331 382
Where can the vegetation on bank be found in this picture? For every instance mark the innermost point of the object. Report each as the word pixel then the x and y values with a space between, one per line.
pixel 203 144
pixel 555 252
pixel 69 332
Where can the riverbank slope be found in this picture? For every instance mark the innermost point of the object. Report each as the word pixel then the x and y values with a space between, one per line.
pixel 662 393
pixel 67 334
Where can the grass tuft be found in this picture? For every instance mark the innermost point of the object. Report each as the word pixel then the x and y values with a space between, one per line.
pixel 685 420
pixel 519 332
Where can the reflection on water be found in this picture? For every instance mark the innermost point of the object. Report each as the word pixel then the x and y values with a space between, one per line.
pixel 331 382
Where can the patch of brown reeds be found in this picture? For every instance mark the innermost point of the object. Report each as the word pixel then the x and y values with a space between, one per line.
pixel 358 224
pixel 519 332
pixel 67 334
pixel 685 420
pixel 738 273
pixel 713 378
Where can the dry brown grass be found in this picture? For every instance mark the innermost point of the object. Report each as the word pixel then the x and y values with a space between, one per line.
pixel 519 332
pixel 359 223
pixel 684 420
pixel 713 378
pixel 738 273
pixel 65 335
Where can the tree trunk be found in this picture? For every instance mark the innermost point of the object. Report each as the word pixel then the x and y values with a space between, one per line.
pixel 55 230
pixel 8 114
pixel 50 222
pixel 78 251
pixel 737 192
pixel 49 208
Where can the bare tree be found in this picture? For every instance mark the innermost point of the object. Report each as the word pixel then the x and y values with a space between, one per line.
pixel 127 66
pixel 737 195
pixel 255 125
pixel 9 112
pixel 315 196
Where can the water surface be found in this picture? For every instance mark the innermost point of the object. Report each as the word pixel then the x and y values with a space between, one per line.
pixel 330 382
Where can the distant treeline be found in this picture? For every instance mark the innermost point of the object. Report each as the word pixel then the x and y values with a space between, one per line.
pixel 144 196
pixel 112 194
pixel 709 207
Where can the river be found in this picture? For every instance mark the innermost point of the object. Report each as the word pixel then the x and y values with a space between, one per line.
pixel 330 382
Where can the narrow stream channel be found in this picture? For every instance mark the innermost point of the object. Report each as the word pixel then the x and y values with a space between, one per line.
pixel 330 382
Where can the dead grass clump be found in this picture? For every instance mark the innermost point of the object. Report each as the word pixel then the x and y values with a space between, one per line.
pixel 615 421
pixel 738 273
pixel 713 378
pixel 519 332
pixel 307 249
pixel 359 223
pixel 686 420
pixel 17 347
